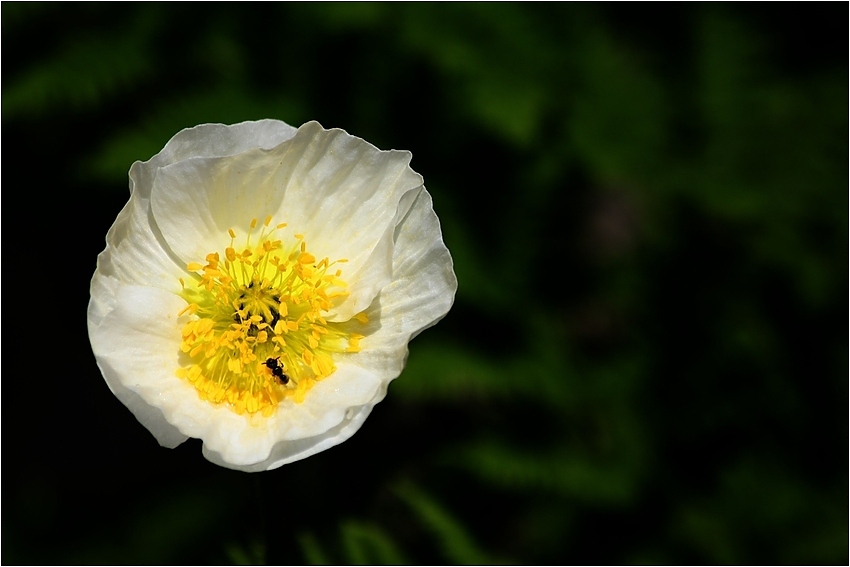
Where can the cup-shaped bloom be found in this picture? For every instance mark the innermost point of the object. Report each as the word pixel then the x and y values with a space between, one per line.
pixel 259 288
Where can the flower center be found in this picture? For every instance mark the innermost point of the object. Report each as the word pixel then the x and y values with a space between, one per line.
pixel 258 335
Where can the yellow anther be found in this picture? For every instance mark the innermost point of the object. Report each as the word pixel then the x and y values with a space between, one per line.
pixel 354 343
pixel 231 233
pixel 191 308
pixel 325 365
pixel 307 357
pixel 268 220
pixel 194 267
pixel 253 223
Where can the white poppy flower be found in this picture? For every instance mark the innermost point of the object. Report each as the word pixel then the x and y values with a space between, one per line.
pixel 259 289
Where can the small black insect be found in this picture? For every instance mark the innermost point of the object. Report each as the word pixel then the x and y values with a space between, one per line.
pixel 277 370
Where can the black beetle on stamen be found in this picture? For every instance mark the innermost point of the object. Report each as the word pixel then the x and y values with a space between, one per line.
pixel 274 365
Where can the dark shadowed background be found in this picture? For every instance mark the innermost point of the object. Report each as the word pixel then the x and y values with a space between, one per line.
pixel 648 211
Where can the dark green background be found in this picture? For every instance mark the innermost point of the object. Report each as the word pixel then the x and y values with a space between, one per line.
pixel 647 207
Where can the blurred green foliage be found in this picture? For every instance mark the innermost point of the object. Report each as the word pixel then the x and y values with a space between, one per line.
pixel 647 209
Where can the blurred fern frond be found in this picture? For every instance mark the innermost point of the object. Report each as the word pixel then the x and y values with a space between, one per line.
pixel 253 554
pixel 565 474
pixel 79 76
pixel 455 542
pixel 312 550
pixel 367 544
pixel 449 373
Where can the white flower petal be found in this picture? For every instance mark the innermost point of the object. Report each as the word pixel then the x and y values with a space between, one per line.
pixel 243 442
pixel 424 283
pixel 348 196
pixel 421 293
pixel 209 141
pixel 135 252
pixel 339 191
pixel 133 338
pixel 286 452
pixel 195 202
pixel 102 300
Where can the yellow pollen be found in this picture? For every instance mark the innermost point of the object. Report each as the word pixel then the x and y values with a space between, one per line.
pixel 241 305
pixel 362 318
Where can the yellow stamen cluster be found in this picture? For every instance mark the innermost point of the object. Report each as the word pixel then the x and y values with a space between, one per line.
pixel 257 334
